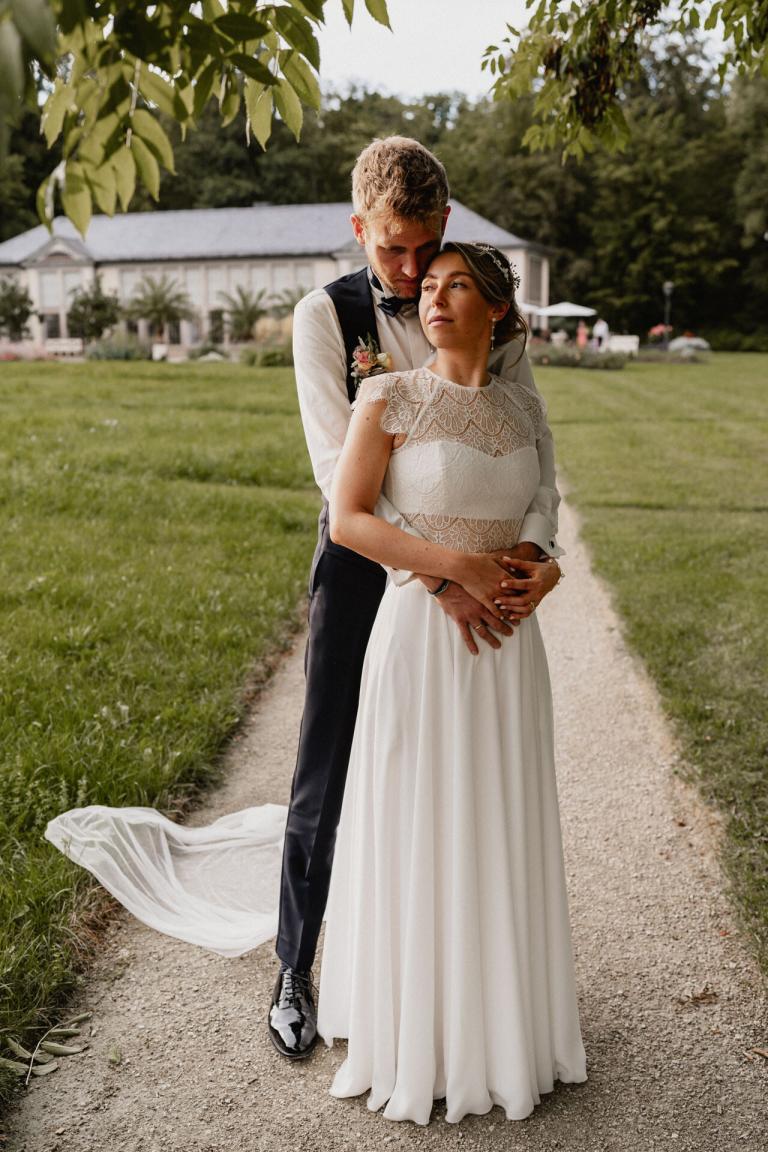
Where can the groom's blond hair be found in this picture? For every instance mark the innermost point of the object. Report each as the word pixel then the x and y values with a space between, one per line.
pixel 398 177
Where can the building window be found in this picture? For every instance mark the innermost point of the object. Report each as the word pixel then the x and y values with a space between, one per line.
pixel 52 325
pixel 534 279
pixel 174 332
pixel 50 290
pixel 129 279
pixel 216 326
pixel 73 282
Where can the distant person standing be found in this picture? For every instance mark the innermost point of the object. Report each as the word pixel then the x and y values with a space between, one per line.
pixel 582 334
pixel 600 333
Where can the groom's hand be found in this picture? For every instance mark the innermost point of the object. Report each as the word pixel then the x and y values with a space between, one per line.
pixel 470 617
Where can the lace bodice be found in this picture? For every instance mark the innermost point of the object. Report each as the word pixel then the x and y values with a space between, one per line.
pixel 465 465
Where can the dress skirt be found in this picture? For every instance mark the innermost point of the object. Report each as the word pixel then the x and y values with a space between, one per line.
pixel 447 960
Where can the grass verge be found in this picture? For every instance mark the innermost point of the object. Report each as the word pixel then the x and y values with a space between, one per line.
pixel 667 465
pixel 158 522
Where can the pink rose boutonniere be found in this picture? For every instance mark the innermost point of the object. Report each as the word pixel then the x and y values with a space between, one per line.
pixel 369 360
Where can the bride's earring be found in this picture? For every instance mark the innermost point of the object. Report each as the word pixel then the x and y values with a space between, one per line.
pixel 493 329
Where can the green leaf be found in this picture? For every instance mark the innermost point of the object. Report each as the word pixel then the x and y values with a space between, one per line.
pixel 183 103
pixel 103 182
pixel 238 26
pixel 146 166
pixel 349 10
pixel 91 151
pixel 229 104
pixel 289 106
pixel 55 109
pixel 258 103
pixel 297 30
pixel 153 134
pixel 302 79
pixel 76 201
pixel 158 90
pixel 11 61
pixel 124 165
pixel 249 66
pixel 378 9
pixel 311 8
pixel 35 21
pixel 119 96
pixel 202 86
pixel 42 204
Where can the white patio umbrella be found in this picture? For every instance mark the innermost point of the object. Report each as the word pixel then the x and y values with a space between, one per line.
pixel 565 308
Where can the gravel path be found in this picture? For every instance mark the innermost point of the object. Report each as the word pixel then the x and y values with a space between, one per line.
pixel 672 1006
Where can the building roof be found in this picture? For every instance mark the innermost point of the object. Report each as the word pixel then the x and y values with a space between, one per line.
pixel 263 230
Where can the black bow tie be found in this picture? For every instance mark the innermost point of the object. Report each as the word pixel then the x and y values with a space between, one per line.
pixel 391 305
pixel 394 304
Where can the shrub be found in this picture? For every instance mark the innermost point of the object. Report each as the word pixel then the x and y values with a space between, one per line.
pixel 204 349
pixel 725 340
pixel 271 356
pixel 120 347
pixel 650 354
pixel 551 356
pixel 92 312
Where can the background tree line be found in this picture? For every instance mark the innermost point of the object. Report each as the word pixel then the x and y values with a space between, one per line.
pixel 686 201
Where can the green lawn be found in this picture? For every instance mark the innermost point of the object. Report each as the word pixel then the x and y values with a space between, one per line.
pixel 157 525
pixel 668 467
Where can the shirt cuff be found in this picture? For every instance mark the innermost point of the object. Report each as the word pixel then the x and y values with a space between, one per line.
pixel 537 529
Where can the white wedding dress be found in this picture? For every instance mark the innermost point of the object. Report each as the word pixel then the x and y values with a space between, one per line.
pixel 447 960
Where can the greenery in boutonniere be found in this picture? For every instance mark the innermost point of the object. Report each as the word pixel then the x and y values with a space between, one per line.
pixel 369 360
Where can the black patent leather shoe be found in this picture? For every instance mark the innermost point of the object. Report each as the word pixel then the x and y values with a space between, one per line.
pixel 292 1014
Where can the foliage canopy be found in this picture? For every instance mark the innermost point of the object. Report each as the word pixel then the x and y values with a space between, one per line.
pixel 113 64
pixel 578 58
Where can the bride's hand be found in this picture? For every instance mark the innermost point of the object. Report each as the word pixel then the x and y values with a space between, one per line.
pixel 479 574
pixel 519 594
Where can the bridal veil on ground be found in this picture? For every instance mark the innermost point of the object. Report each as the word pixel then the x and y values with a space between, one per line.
pixel 215 886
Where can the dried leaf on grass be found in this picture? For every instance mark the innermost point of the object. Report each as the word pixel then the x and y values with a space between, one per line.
pixel 13 1066
pixel 41 1060
pixel 62 1049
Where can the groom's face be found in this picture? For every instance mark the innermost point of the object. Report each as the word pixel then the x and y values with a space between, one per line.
pixel 399 251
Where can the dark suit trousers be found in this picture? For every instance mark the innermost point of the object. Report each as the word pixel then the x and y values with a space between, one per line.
pixel 345 591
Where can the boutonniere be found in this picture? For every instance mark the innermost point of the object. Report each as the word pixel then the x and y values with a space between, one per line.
pixel 368 360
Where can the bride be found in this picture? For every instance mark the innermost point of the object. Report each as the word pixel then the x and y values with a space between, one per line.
pixel 447 957
pixel 447 960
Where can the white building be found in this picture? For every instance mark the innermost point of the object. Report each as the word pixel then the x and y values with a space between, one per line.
pixel 207 251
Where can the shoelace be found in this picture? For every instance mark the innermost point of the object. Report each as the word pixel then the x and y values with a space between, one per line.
pixel 296 983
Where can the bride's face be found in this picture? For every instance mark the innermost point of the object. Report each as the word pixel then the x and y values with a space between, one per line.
pixel 452 309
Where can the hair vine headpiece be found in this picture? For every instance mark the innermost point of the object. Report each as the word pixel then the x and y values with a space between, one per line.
pixel 505 268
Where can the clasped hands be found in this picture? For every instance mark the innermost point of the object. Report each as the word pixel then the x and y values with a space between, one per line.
pixel 492 592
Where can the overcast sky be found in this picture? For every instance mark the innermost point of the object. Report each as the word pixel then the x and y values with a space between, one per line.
pixel 434 45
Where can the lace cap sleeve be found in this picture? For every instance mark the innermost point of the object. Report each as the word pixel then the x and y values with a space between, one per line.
pixel 402 402
pixel 528 397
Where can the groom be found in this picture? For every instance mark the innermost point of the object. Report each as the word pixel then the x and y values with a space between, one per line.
pixel 400 200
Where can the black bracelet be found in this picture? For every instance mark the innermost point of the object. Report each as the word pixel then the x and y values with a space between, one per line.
pixel 440 588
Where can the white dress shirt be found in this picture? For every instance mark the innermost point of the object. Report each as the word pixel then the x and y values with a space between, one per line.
pixel 321 379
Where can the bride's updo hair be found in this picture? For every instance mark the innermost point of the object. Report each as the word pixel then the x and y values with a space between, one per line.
pixel 498 282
